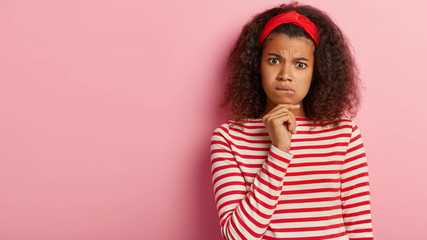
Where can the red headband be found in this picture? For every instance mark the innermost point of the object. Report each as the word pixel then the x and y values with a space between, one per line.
pixel 289 17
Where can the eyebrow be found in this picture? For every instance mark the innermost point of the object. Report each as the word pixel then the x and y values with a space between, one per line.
pixel 295 59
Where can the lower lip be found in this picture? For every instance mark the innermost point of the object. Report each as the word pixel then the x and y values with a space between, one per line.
pixel 287 91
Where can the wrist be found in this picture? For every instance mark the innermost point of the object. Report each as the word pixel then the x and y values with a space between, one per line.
pixel 283 148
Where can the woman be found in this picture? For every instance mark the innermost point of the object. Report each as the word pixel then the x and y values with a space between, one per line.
pixel 291 164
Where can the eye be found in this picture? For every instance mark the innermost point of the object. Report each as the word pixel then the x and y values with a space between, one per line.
pixel 301 65
pixel 274 60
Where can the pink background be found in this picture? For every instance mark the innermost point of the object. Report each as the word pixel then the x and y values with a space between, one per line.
pixel 107 108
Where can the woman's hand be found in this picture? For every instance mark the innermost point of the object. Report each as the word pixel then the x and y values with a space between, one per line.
pixel 281 124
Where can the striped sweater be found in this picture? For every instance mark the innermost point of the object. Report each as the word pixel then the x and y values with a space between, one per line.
pixel 319 190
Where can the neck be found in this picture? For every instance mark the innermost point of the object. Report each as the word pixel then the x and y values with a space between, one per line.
pixel 298 112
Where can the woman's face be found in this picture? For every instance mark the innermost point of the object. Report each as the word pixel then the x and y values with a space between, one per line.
pixel 286 69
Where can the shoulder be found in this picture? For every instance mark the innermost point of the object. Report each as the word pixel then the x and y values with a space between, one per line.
pixel 343 125
pixel 342 131
pixel 351 129
pixel 222 129
pixel 232 129
pixel 349 123
pixel 221 136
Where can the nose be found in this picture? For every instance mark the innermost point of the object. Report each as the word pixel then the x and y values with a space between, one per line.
pixel 285 73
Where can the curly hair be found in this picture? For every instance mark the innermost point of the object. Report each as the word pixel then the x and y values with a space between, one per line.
pixel 335 88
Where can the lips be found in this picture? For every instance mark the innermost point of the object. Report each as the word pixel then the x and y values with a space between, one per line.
pixel 285 89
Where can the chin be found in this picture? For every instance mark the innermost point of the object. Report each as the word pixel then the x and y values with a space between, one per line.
pixel 286 102
pixel 278 100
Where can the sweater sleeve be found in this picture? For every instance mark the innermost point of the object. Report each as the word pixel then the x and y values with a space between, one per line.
pixel 245 214
pixel 355 194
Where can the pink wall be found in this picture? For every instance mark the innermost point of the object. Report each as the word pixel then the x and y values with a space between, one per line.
pixel 107 108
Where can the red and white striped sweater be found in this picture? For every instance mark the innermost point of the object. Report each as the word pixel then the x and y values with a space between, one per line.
pixel 319 190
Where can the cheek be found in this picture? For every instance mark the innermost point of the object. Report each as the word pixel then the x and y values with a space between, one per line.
pixel 264 84
pixel 307 77
pixel 263 71
pixel 268 75
pixel 307 86
pixel 265 77
pixel 305 83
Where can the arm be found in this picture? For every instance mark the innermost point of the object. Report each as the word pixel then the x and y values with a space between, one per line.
pixel 355 195
pixel 245 215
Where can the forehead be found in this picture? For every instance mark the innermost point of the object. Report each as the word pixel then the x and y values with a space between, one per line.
pixel 282 43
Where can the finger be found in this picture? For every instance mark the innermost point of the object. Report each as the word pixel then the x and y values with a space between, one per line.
pixel 282 108
pixel 285 105
pixel 291 122
pixel 284 118
pixel 293 119
pixel 294 129
pixel 289 105
pixel 294 122
pixel 273 115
